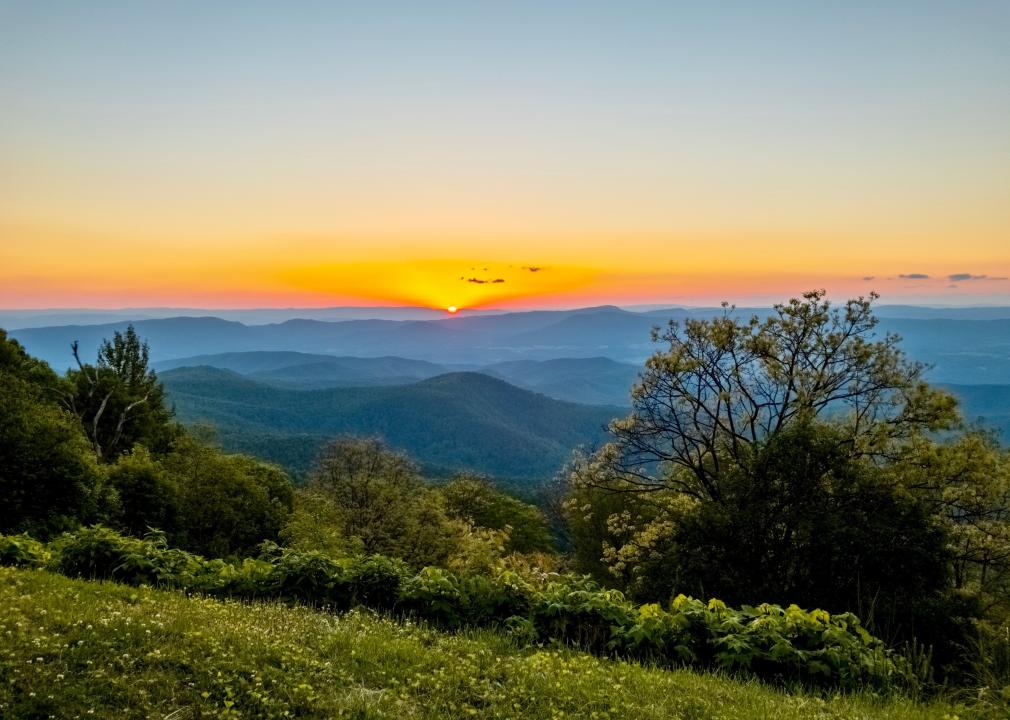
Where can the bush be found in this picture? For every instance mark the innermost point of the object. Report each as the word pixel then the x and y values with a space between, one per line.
pixel 49 479
pixel 22 551
pixel 779 644
pixel 377 580
pixel 310 577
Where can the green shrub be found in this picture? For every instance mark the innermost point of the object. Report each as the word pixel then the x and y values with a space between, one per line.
pixel 377 580
pixel 310 577
pixel 22 551
pixel 786 645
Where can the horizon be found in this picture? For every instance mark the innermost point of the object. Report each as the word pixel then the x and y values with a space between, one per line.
pixel 644 307
pixel 523 156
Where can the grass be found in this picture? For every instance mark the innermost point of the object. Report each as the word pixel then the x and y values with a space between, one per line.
pixel 77 649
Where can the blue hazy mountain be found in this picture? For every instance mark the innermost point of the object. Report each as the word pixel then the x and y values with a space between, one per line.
pixel 450 422
pixel 961 350
pixel 593 381
pixel 16 319
pixel 309 370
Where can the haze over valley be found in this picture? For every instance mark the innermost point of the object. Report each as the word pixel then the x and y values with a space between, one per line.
pixel 279 389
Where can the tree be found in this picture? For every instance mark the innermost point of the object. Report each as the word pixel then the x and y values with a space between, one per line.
pixel 966 481
pixel 473 498
pixel 49 480
pixel 148 495
pixel 370 485
pixel 119 400
pixel 227 504
pixel 767 460
pixel 723 385
pixel 364 498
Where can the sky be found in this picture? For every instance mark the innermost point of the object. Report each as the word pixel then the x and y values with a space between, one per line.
pixel 502 154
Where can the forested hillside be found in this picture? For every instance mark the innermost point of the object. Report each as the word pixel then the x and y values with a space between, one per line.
pixel 787 500
pixel 451 422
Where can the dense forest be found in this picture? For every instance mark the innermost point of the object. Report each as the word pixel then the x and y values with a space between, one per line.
pixel 788 500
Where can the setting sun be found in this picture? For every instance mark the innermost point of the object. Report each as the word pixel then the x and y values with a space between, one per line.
pixel 452 309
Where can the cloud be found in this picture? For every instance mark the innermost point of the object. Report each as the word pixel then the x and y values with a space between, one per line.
pixel 914 276
pixel 480 281
pixel 952 286
pixel 963 277
pixel 869 277
pixel 532 268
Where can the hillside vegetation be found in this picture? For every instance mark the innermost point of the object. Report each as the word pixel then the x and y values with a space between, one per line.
pixel 451 422
pixel 786 499
pixel 84 649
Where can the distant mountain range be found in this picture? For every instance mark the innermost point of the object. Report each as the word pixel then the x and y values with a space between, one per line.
pixel 592 381
pixel 962 351
pixel 450 422
pixel 509 394
pixel 18 319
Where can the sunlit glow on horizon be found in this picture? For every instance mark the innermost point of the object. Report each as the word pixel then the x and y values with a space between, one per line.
pixel 273 158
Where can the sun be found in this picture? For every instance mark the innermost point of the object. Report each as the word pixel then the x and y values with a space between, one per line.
pixel 452 309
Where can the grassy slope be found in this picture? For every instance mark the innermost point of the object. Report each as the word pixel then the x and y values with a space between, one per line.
pixel 70 647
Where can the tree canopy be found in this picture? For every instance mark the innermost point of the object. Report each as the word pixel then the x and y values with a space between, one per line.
pixel 803 458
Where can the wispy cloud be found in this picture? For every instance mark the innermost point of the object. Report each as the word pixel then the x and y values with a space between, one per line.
pixel 965 277
pixel 867 278
pixel 914 276
pixel 482 281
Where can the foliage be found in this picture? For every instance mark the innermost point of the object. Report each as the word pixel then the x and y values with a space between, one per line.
pixel 370 486
pixel 227 504
pixel 148 495
pixel 453 422
pixel 796 459
pixel 119 400
pixel 154 475
pixel 362 497
pixel 23 551
pixel 75 648
pixel 314 524
pixel 49 479
pixel 473 498
pixel 783 645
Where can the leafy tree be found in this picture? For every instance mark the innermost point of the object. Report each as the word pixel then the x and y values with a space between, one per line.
pixel 227 504
pixel 473 498
pixel 315 525
pixel 764 460
pixel 723 385
pixel 17 363
pixel 806 523
pixel 119 400
pixel 364 498
pixel 148 494
pixel 49 480
pixel 371 486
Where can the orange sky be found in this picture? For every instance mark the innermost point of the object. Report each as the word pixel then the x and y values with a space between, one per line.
pixel 186 156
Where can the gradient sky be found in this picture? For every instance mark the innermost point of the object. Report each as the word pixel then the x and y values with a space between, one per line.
pixel 330 153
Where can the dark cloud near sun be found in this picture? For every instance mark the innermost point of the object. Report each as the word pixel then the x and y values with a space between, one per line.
pixel 914 276
pixel 495 281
